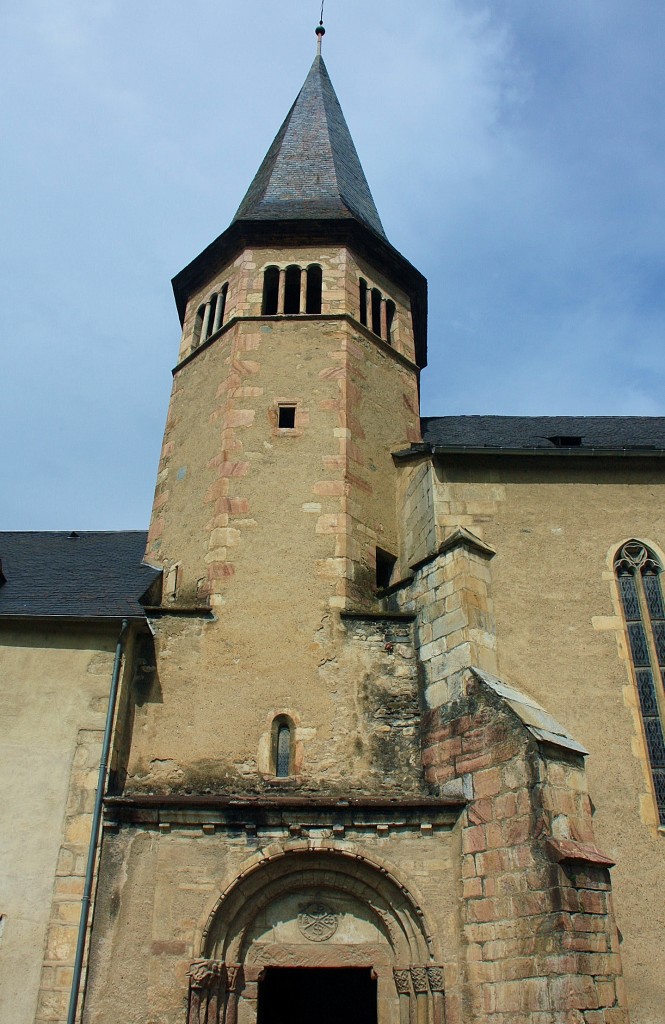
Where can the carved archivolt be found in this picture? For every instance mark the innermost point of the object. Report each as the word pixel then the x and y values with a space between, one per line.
pixel 333 877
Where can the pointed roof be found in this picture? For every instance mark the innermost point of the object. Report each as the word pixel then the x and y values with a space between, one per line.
pixel 311 190
pixel 312 170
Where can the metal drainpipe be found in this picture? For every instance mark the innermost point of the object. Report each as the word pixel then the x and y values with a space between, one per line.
pixel 96 821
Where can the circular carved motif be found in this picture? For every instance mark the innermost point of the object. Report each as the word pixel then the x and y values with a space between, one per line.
pixel 317 922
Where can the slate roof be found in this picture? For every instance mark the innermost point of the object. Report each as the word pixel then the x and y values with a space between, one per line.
pixel 312 170
pixel 612 433
pixel 82 576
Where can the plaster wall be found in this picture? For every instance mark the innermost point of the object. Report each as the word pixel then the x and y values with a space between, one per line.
pixel 556 528
pixel 54 693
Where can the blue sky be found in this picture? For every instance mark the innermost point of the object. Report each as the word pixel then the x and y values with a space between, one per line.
pixel 515 150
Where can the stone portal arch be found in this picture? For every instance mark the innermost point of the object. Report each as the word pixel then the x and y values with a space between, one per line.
pixel 316 908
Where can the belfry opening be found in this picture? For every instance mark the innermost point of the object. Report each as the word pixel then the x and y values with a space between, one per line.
pixel 293 995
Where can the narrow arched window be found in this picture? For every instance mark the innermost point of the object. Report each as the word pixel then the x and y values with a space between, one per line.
pixel 376 311
pixel 198 326
pixel 292 290
pixel 390 316
pixel 638 575
pixel 363 301
pixel 270 291
pixel 314 286
pixel 282 748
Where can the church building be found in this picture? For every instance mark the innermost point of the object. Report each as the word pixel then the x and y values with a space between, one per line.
pixel 368 728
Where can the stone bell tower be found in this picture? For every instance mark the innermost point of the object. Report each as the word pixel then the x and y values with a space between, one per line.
pixel 275 507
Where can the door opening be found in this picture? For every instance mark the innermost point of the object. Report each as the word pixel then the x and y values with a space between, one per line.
pixel 327 995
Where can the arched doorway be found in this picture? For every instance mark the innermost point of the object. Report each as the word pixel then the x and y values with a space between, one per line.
pixel 316 933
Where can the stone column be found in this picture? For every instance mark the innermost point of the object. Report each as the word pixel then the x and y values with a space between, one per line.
pixel 233 985
pixel 368 307
pixel 281 291
pixel 303 290
pixel 384 320
pixel 421 988
pixel 206 991
pixel 219 309
pixel 206 322
pixel 435 978
pixel 402 978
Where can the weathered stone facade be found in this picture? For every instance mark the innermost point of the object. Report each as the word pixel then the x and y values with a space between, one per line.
pixel 351 744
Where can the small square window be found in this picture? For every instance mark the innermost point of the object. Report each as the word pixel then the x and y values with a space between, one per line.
pixel 286 417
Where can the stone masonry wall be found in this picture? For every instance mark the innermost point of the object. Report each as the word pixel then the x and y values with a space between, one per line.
pixel 541 942
pixel 451 597
pixel 415 498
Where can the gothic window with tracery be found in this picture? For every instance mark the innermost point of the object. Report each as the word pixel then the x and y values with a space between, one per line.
pixel 638 574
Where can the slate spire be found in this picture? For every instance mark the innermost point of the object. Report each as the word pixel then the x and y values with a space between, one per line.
pixel 312 170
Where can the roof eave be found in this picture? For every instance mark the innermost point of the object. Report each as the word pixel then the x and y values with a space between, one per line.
pixel 572 452
pixel 83 619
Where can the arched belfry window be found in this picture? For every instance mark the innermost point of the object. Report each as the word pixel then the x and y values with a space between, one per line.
pixel 390 316
pixel 292 290
pixel 270 291
pixel 282 744
pixel 638 574
pixel 198 326
pixel 313 289
pixel 376 311
pixel 362 285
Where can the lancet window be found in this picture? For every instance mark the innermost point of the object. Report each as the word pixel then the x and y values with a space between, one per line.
pixel 292 290
pixel 210 316
pixel 282 744
pixel 376 311
pixel 638 574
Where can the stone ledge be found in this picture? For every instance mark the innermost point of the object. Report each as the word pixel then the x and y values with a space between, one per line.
pixel 543 727
pixel 459 538
pixel 563 850
pixel 301 318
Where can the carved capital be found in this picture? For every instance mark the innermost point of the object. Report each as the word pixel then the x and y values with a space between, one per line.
pixel 206 974
pixel 435 978
pixel 419 979
pixel 234 974
pixel 402 978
